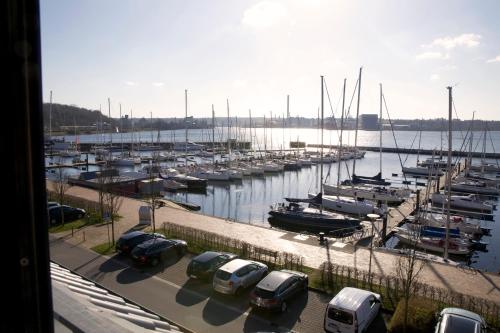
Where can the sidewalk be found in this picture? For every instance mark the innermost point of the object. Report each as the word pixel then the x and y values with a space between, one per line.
pixel 473 283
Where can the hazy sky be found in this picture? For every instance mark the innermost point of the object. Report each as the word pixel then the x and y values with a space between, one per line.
pixel 143 54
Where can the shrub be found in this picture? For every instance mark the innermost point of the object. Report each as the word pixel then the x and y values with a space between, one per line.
pixel 421 316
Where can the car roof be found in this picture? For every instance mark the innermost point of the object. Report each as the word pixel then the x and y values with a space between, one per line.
pixel 153 241
pixel 273 280
pixel 463 313
pixel 132 234
pixel 236 264
pixel 206 256
pixel 351 298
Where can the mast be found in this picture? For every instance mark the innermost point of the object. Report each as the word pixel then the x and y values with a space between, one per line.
pixel 251 145
pixel 339 154
pixel 321 153
pixel 380 128
pixel 213 138
pixel 121 127
pixel 271 126
pixel 50 117
pixel 448 174
pixel 357 119
pixel 419 141
pixel 471 139
pixel 110 128
pixel 186 124
pixel 228 134
pixel 132 137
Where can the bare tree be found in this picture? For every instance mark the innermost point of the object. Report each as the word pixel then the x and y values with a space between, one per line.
pixel 408 267
pixel 101 192
pixel 112 202
pixel 60 186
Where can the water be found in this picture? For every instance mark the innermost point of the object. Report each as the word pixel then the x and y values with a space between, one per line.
pixel 249 200
pixel 279 138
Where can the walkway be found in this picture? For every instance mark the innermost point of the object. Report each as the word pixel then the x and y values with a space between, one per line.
pixel 483 285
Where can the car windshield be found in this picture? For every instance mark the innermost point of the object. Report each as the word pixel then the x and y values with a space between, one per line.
pixel 264 293
pixel 223 275
pixel 458 324
pixel 340 316
pixel 200 266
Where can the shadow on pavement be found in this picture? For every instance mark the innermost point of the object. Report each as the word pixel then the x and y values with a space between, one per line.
pixel 193 292
pixel 113 264
pixel 221 309
pixel 282 322
pixel 136 273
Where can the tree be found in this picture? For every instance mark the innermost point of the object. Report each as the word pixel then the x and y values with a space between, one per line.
pixel 408 267
pixel 112 202
pixel 60 186
pixel 153 198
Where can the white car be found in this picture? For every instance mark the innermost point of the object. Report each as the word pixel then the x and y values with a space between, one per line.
pixel 237 275
pixel 351 310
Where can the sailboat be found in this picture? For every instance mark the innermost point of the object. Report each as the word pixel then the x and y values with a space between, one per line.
pixel 370 191
pixel 295 216
pixel 345 204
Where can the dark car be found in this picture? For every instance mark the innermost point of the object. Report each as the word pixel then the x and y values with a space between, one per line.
pixel 129 241
pixel 205 265
pixel 277 288
pixel 70 214
pixel 153 251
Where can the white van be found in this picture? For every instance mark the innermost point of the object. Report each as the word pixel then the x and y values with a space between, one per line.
pixel 351 310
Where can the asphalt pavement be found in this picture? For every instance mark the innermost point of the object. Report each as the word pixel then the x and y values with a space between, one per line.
pixel 167 291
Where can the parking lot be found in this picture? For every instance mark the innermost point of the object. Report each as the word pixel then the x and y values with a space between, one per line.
pixel 168 291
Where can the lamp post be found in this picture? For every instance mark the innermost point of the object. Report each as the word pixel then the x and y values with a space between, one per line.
pixel 372 218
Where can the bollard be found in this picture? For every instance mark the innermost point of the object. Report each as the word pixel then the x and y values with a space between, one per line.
pixel 321 237
pixel 84 236
pixel 72 231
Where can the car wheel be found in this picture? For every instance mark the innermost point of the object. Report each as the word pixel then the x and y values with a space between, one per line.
pixel 239 291
pixel 80 216
pixel 154 262
pixel 283 306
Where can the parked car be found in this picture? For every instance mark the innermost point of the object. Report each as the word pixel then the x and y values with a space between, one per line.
pixel 153 251
pixel 205 265
pixel 127 242
pixel 351 310
pixel 452 320
pixel 277 288
pixel 70 214
pixel 238 274
pixel 52 204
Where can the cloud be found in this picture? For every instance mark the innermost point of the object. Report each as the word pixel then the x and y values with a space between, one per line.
pixel 448 67
pixel 435 77
pixel 496 59
pixel 264 14
pixel 130 83
pixel 158 84
pixel 465 40
pixel 432 55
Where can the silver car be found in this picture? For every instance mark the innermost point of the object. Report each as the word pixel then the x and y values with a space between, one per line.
pixel 238 274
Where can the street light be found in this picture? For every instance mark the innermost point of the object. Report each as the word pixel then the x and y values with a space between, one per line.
pixel 372 218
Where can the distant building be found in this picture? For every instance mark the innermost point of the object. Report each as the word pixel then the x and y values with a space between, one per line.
pixel 369 121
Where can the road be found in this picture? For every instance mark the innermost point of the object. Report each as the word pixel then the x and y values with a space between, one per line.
pixel 167 291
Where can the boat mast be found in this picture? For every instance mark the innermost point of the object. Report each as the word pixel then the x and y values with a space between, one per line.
pixel 321 150
pixel 110 128
pixel 380 128
pixel 132 138
pixel 339 154
pixel 271 126
pixel 448 174
pixel 251 145
pixel 121 127
pixel 228 135
pixel 213 138
pixel 471 139
pixel 356 129
pixel 186 124
pixel 419 141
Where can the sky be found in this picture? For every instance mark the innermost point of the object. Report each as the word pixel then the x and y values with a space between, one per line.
pixel 144 54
